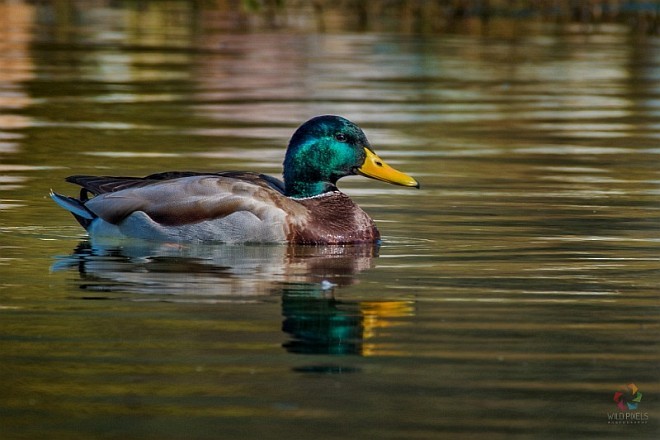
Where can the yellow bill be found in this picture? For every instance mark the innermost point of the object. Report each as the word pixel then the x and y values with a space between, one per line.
pixel 375 168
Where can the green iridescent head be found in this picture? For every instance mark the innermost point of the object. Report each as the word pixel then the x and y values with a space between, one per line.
pixel 327 148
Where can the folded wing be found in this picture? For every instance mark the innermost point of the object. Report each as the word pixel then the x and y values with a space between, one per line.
pixel 229 206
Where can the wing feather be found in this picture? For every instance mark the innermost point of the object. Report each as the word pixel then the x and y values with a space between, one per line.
pixel 189 199
pixel 105 184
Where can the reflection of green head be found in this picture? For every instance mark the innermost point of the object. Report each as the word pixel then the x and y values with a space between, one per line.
pixel 322 150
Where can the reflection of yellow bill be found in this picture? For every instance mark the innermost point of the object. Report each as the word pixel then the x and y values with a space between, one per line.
pixel 378 314
pixel 375 168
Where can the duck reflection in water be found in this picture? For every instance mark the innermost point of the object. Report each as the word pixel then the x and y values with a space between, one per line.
pixel 305 277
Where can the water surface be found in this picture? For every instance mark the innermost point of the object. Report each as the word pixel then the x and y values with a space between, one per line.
pixel 512 295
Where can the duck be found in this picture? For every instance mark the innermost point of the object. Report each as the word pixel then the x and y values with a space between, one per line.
pixel 306 207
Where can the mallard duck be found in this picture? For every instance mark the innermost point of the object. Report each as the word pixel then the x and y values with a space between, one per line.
pixel 238 207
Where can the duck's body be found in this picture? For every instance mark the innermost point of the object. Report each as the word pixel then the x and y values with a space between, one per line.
pixel 229 207
pixel 237 207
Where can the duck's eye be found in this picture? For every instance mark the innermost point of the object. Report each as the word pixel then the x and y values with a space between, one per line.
pixel 341 137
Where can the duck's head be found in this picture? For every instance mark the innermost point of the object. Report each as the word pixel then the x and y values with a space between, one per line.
pixel 327 148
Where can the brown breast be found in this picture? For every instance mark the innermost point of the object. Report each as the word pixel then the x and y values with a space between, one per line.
pixel 333 218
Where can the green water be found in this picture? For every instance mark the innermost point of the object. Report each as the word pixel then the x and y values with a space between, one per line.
pixel 512 296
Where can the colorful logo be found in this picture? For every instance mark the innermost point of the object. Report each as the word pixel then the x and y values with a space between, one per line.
pixel 628 397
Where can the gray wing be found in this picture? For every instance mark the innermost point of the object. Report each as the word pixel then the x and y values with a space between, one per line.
pixel 191 199
pixel 96 185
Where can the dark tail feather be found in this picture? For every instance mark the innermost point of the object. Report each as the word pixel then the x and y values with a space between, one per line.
pixel 83 215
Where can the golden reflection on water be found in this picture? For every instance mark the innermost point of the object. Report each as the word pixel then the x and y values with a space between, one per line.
pixel 15 38
pixel 305 278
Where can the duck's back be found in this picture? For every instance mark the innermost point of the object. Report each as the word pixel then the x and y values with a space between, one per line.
pixel 185 206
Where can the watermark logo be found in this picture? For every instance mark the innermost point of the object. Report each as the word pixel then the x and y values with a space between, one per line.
pixel 627 400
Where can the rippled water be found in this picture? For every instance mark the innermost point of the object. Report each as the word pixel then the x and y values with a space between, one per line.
pixel 512 295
